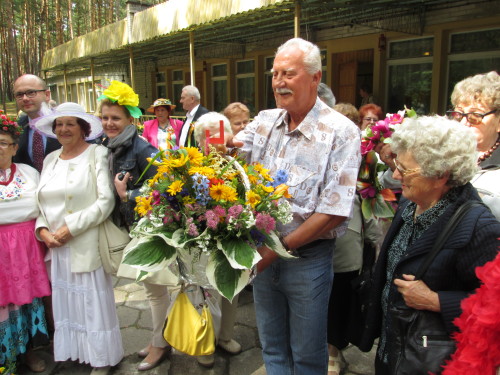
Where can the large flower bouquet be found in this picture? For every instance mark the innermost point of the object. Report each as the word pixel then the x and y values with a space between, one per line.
pixel 203 216
pixel 377 201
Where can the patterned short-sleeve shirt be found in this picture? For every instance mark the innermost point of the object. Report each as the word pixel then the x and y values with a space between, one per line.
pixel 321 156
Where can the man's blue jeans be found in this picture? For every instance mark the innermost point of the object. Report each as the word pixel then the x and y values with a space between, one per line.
pixel 291 304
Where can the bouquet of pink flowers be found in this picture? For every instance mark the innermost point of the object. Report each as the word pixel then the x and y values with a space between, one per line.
pixel 377 201
pixel 203 216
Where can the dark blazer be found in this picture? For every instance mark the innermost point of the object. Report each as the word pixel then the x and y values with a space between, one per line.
pixel 22 155
pixel 474 242
pixel 199 112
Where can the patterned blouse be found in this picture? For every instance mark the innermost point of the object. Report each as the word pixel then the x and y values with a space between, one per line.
pixel 410 231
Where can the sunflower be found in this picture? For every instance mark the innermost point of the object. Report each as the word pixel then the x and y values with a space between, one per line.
pixel 217 192
pixel 204 171
pixel 230 194
pixel 175 187
pixel 179 162
pixel 253 198
pixel 195 156
pixel 143 205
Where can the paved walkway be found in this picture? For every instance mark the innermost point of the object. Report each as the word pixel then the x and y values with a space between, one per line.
pixel 135 323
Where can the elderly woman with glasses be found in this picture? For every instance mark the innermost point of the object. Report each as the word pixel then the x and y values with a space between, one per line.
pixel 435 161
pixel 476 102
pixel 369 114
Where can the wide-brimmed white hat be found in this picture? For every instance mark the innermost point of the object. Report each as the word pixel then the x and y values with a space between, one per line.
pixel 44 124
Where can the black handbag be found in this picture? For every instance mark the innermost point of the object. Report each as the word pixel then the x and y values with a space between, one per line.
pixel 421 342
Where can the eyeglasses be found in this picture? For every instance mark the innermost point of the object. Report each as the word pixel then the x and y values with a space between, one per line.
pixel 370 119
pixel 405 172
pixel 29 94
pixel 473 118
pixel 5 144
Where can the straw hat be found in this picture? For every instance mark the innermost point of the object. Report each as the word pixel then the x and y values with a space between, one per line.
pixel 161 102
pixel 44 124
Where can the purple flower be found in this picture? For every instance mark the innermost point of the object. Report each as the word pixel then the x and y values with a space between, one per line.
pixel 212 219
pixel 233 212
pixel 369 192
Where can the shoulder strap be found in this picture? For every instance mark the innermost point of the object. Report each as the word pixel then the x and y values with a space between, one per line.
pixel 448 229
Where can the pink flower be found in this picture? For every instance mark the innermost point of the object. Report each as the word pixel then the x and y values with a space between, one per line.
pixel 265 222
pixel 395 118
pixel 219 211
pixel 234 212
pixel 192 230
pixel 212 219
pixel 368 192
pixel 156 197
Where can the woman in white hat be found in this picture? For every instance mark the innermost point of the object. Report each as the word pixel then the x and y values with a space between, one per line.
pixel 75 195
pixel 162 132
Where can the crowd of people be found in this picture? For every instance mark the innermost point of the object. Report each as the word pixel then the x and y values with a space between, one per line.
pixel 63 172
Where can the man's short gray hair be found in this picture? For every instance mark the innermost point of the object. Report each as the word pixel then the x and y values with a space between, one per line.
pixel 208 121
pixel 326 94
pixel 440 146
pixel 312 55
pixel 481 88
pixel 192 91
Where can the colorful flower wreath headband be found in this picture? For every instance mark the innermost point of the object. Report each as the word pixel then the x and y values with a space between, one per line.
pixel 7 125
pixel 121 93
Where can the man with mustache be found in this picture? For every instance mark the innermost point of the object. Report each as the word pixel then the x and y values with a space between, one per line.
pixel 320 150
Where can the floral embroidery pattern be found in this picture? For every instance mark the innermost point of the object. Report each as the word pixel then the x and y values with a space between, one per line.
pixel 14 190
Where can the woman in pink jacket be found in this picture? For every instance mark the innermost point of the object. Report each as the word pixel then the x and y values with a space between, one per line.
pixel 162 132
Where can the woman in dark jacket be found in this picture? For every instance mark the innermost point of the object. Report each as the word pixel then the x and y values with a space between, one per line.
pixel 128 151
pixel 435 160
pixel 128 160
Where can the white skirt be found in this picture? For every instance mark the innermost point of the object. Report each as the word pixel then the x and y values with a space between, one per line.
pixel 86 322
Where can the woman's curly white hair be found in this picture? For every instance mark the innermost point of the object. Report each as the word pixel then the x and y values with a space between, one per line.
pixel 210 121
pixel 440 147
pixel 481 88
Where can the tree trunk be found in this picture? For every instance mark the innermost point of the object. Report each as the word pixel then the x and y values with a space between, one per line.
pixel 59 28
pixel 11 35
pixel 70 19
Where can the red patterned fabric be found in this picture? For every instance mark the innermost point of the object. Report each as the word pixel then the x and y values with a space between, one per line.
pixel 478 341
pixel 38 151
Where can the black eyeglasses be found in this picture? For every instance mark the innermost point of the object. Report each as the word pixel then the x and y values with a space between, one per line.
pixel 473 118
pixel 29 94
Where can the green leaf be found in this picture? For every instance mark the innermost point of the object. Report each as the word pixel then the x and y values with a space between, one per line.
pixel 159 153
pixel 224 278
pixel 274 243
pixel 239 253
pixel 150 253
pixel 366 207
pixel 381 208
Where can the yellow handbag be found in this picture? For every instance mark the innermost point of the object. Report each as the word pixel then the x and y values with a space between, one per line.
pixel 187 330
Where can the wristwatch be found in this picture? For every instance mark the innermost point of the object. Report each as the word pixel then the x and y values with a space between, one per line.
pixel 293 252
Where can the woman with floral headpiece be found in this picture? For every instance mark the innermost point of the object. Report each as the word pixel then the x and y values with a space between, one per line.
pixel 162 132
pixel 127 161
pixel 23 279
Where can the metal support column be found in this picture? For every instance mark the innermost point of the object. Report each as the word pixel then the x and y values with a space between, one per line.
pixel 131 57
pixel 296 19
pixel 65 85
pixel 94 94
pixel 191 57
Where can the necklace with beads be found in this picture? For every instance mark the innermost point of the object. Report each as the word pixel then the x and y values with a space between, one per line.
pixel 488 153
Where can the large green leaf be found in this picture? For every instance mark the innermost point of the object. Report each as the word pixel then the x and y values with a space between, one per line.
pixel 149 253
pixel 239 253
pixel 366 208
pixel 224 278
pixel 274 243
pixel 382 209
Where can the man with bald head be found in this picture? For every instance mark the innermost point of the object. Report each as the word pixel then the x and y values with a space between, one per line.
pixel 31 94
